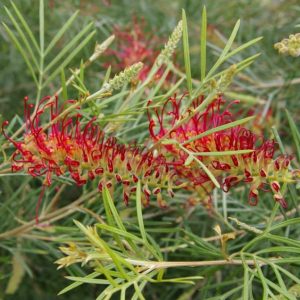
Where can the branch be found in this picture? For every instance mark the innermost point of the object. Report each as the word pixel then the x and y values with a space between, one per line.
pixel 174 264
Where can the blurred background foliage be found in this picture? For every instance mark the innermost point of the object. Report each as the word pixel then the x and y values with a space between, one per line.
pixel 272 77
pixel 273 20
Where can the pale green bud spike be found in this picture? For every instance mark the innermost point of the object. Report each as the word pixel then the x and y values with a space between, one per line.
pixel 290 46
pixel 171 45
pixel 100 48
pixel 123 77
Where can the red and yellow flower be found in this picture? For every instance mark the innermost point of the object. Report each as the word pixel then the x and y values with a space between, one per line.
pixel 81 150
pixel 258 168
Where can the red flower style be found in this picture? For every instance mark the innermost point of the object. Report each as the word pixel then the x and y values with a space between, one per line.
pixel 258 168
pixel 81 150
pixel 135 45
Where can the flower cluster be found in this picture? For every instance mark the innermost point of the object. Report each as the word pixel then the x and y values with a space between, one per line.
pixel 70 146
pixel 258 167
pixel 290 46
pixel 132 46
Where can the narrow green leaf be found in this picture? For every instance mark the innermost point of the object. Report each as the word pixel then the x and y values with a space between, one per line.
pixel 60 33
pixel 186 52
pixel 78 283
pixel 152 248
pixel 174 88
pixel 279 249
pixel 189 160
pixel 81 72
pixel 117 259
pixel 141 287
pixel 23 37
pixel 219 128
pixel 88 280
pixel 227 295
pixel 70 46
pixel 225 50
pixel 246 282
pixel 123 293
pixel 198 109
pixel 208 173
pixel 279 290
pixel 138 292
pixel 246 98
pixel 111 210
pixel 262 278
pixel 223 153
pixel 20 48
pixel 69 58
pixel 282 239
pixel 108 213
pixel 295 133
pixel 109 202
pixel 63 84
pixel 25 25
pixel 186 280
pixel 245 65
pixel 107 75
pixel 203 166
pixel 279 278
pixel 242 47
pixel 139 212
pixel 288 274
pixel 169 142
pixel 18 272
pixel 203 44
pixel 209 248
pixel 278 139
pixel 240 66
pixel 106 272
pixel 157 87
pixel 42 26
pixel 79 82
pixel 120 232
pixel 285 223
pixel 79 88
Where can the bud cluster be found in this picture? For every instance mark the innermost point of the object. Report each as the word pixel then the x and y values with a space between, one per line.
pixel 290 46
pixel 171 45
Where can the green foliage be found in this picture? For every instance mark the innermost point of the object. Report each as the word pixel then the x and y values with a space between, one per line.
pixel 148 253
pixel 43 72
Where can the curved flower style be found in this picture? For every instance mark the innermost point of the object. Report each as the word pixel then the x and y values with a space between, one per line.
pixel 257 168
pixel 81 150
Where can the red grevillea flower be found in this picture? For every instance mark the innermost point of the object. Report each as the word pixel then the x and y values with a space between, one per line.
pixel 83 152
pixel 134 45
pixel 258 168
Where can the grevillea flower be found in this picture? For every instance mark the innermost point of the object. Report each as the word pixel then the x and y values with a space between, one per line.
pixel 134 45
pixel 81 150
pixel 258 168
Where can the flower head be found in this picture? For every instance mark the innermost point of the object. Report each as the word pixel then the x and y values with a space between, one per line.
pixel 134 45
pixel 258 168
pixel 80 149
